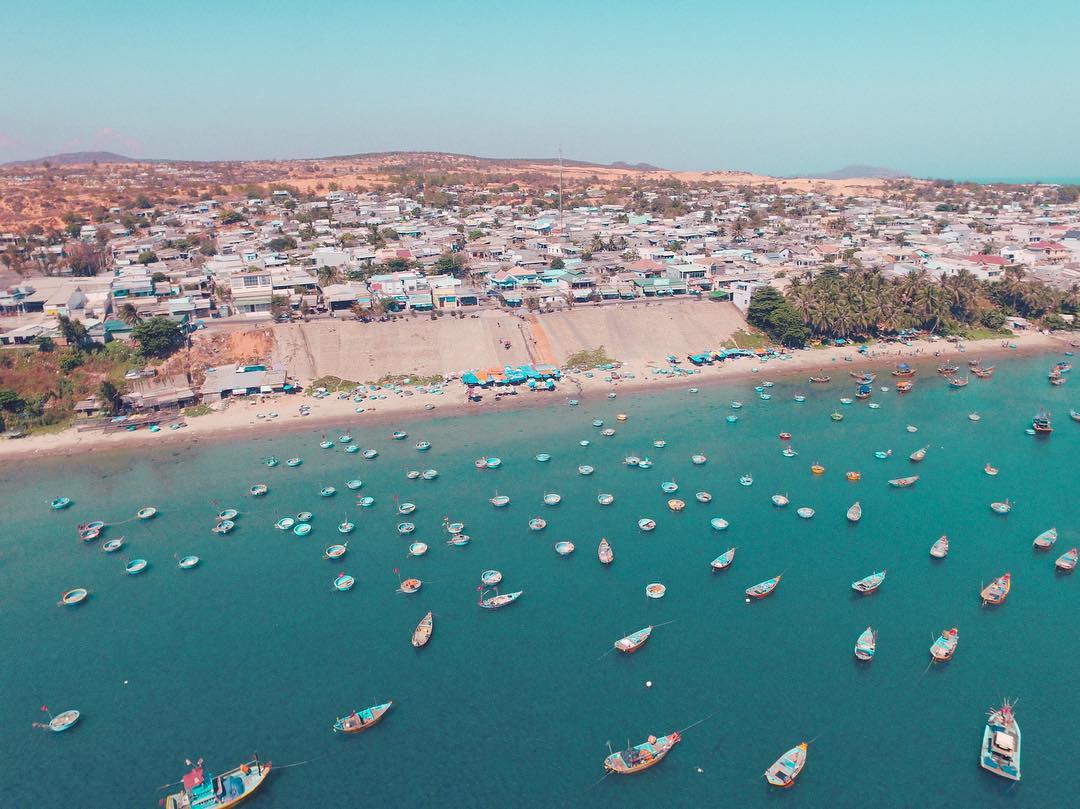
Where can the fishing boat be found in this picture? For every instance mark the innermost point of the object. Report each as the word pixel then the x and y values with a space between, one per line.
pixel 455 527
pixel 74 596
pixel 703 497
pixel 499 500
pixel 1045 541
pixel 304 516
pixel 904 386
pixel 1074 415
pixel 406 528
pixel 659 443
pixel 259 489
pixel 335 551
pixel 846 401
pixel 747 480
pixel 228 514
pixel 343 582
pixel 836 416
pixel 113 545
pixel 780 500
pixel 564 547
pixel 990 470
pixel 817 469
pixel 983 373
pixel 352 448
pixel 409 586
pixel 854 514
pixel 1067 560
pixel 412 474
pixel 61 721
pixel 327 491
pixel 584 442
pixel 655 590
pixel 418 549
pixel 863 392
pixel 585 469
pixel 285 523
pixel 820 380
pixel 302 529
pixel 326 444
pixel 188 562
pixel 719 523
pixel 136 566
pixel 646 524
pixel 870 583
pixel 1041 423
pixel 423 446
pixel 675 504
pixel 634 641
pixel 763 589
pixel 89 534
pixel 422 634
pixel 903 371
pixel 944 647
pixel 957 382
pixel 359 721
pixel 59 503
pixel 948 369
pixel 489 578
pixel 537 524
pixel 294 461
pixel 607 432
pixel 788 452
pixel 406 508
pixel 853 476
pixel 731 419
pixel 1063 367
pixel 356 483
pixel 146 512
pixel 632 460
pixel 272 461
pixel 1003 507
pixel 498 601
pixel 974 417
pixel 399 435
pixel 1056 378
pixel 805 512
pixel 799 397
pixel 723 561
pixel 903 483
pixel 605 553
pixel 1000 752
pixel 642 756
pixel 492 462
pixel 862 376
pixel 429 474
pixel 866 645
pixel 997 591
pixel 552 499
pixel 605 499
pixel 345 527
pixel 786 769
pixel 940 548
pixel 698 459
pixel 202 790
pixel 918 454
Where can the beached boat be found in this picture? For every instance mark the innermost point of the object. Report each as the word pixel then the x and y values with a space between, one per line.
pixel 870 583
pixel 335 551
pixel 1041 423
pixel 605 499
pixel 642 756
pixel 655 590
pixel 497 601
pixel 136 566
pixel 780 500
pixel 805 512
pixel 74 596
pixel 359 721
pixel 786 769
pixel 113 545
pixel 646 524
pixel 634 641
pixel 422 634
pixel 866 645
pixel 326 444
pixel 202 790
pixel 940 548
pixel 1000 752
pixel 944 647
pixel 605 553
pixel 763 589
pixel 724 560
pixel 1067 560
pixel 820 380
pixel 146 512
pixel 343 582
pixel 997 591
pixel 903 483
pixel 918 454
pixel 1045 541
pixel 1001 507
pixel 564 547
pixel 903 371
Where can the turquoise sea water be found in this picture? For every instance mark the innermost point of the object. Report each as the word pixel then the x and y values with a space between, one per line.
pixel 253 650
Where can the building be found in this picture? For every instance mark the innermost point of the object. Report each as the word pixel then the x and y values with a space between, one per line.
pixel 243 380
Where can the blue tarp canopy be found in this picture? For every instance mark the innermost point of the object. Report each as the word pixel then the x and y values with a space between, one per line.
pixel 470 379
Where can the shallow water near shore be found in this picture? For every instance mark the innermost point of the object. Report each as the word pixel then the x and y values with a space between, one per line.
pixel 254 651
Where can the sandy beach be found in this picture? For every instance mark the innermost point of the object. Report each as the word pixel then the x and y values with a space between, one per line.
pixel 241 417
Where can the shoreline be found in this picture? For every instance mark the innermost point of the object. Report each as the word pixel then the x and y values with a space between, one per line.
pixel 239 417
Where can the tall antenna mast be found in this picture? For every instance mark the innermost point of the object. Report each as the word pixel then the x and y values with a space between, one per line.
pixel 561 228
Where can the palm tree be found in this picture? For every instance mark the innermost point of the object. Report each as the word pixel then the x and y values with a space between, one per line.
pixel 129 314
pixel 328 276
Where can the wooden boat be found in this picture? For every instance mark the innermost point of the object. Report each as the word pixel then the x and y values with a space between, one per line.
pixel 817 469
pixel 136 566
pixel 406 508
pixel 552 499
pixel 903 371
pixel 429 474
pixel 821 380
pixel 605 553
pixel 497 601
pixel 304 516
pixel 763 589
pixel 719 523
pixel 866 645
pixel 418 548
pixel 272 461
pixel 948 369
pixel 957 382
pixel 786 769
pixel 500 500
pixel 1045 541
pixel 918 454
pixel 983 373
pixel 459 540
pixel 228 514
pixel 780 500
pixel 634 641
pixel 564 548
pixel 345 527
pixel 903 483
pixel 854 514
pixel 655 590
pixel 59 503
pixel 62 721
pixel 1000 752
pixel 1001 507
pixel 359 721
pixel 201 790
pixel 805 512
pixel 646 524
pixel 327 491
pixel 455 527
pixel 990 470
pixel 490 578
pixel 259 489
pixel 945 646
pixel 343 582
pixel 406 528
pixel 864 376
pixel 537 524
pixel 904 386
pixel 422 634
pixel 74 596
pixel 870 583
pixel 940 549
pixel 853 476
pixel 723 561
pixel 703 497
pixel 188 562
pixel 335 551
pixel 675 504
pixel 698 460
pixel 605 499
pixel 294 461
pixel 302 529
pixel 285 523
pixel 997 591
pixel 1041 423
pixel 1067 560
pixel 146 512
pixel 642 756
pixel 410 586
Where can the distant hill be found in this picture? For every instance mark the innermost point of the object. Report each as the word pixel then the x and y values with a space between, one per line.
pixel 76 158
pixel 859 172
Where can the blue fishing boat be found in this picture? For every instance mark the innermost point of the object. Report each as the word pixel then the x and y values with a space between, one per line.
pixel 724 560
pixel 259 489
pixel 585 469
pixel 272 461
pixel 326 444
pixel 335 551
pixel 731 419
pixel 223 527
pixel 669 487
pixel 60 503
pixel 327 491
pixel 359 721
pixel 136 566
pixel 302 529
pixel 400 435
pixel 719 524
pixel 429 474
pixel 747 480
pixel 188 562
pixel 543 457
pixel 642 756
pixel 345 439
pixel 646 524
pixel 345 527
pixel 489 578
pixel 285 523
pixel 418 549
pixel 405 528
pixel 304 516
pixel 62 721
pixel 343 582
pixel 146 513
pixel 294 461
pixel 866 645
pixel 352 448
pixel 202 790
pixel 564 548
pixel 423 446
pixel 605 499
pixel 354 484
pixel 371 454
pixel 366 502
pixel 537 524
pixel 870 583
pixel 74 596
pixel 552 499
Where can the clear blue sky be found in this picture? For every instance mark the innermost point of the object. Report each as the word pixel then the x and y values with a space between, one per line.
pixel 960 89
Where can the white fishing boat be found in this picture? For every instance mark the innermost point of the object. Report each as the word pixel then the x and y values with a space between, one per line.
pixel 1000 752
pixel 854 514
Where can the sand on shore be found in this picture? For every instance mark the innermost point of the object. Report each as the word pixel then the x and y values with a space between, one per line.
pixel 240 417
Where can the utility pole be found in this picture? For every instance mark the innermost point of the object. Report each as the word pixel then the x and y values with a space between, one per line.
pixel 562 232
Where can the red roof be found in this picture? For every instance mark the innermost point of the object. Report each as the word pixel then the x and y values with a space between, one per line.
pixel 980 259
pixel 1046 246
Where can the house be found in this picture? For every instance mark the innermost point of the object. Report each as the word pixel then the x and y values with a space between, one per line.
pixel 455 297
pixel 65 302
pixel 252 289
pixel 742 291
pixel 342 297
pixel 660 287
pixel 242 380
pixel 1053 252
pixel 159 392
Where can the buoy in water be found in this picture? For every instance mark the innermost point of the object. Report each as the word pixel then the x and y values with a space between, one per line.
pixel 648 683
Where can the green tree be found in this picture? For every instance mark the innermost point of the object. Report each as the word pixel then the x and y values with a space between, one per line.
pixel 450 264
pixel 110 396
pixel 146 257
pixel 557 263
pixel 158 337
pixel 328 276
pixel 71 359
pixel 10 401
pixel 73 331
pixel 280 243
pixel 129 314
pixel 45 344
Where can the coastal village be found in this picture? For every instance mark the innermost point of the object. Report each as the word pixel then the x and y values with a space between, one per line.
pixel 292 263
